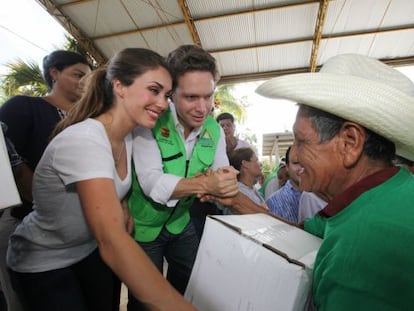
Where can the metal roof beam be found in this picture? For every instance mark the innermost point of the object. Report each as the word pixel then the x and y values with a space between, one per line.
pixel 320 21
pixel 203 19
pixel 86 43
pixel 231 79
pixel 189 21
pixel 324 37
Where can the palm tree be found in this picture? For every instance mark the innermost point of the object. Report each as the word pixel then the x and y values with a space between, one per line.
pixel 72 44
pixel 226 102
pixel 26 77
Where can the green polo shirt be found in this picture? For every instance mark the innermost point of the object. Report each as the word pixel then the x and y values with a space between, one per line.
pixel 366 258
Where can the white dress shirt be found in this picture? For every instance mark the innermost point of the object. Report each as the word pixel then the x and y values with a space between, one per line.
pixel 156 184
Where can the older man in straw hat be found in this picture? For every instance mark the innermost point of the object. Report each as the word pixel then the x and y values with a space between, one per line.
pixel 352 117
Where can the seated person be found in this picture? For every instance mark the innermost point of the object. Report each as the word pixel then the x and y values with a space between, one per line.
pixel 246 162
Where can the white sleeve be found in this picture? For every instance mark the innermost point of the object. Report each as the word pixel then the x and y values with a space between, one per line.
pixel 155 184
pixel 220 159
pixel 80 157
pixel 309 205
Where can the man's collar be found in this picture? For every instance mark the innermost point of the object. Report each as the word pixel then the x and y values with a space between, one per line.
pixel 341 201
pixel 178 125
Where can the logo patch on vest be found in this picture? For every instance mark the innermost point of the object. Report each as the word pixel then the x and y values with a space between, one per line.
pixel 165 131
pixel 205 139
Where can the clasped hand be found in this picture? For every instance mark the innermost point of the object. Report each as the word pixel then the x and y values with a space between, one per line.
pixel 222 182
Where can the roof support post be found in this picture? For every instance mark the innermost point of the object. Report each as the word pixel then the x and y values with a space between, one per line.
pixel 189 21
pixel 320 21
pixel 65 21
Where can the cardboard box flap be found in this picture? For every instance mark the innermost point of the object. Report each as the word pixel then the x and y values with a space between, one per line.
pixel 292 243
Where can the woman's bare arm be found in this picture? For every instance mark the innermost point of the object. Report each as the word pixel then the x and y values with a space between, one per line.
pixel 120 252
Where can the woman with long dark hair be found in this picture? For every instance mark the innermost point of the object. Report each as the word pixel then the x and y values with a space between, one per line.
pixel 63 254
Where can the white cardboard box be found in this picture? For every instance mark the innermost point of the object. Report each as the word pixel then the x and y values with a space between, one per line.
pixel 9 196
pixel 252 263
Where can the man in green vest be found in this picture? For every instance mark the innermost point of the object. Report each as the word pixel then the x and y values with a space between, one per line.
pixel 170 162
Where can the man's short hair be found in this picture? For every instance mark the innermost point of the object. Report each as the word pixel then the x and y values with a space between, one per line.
pixel 225 116
pixel 187 58
pixel 327 125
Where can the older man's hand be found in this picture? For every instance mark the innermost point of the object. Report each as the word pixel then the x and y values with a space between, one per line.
pixel 223 182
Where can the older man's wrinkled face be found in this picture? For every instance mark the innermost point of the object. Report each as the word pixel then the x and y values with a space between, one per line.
pixel 321 162
pixel 294 167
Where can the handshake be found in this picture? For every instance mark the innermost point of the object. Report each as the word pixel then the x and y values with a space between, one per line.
pixel 221 186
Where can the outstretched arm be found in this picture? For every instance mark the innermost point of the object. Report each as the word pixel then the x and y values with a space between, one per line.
pixel 120 252
pixel 241 204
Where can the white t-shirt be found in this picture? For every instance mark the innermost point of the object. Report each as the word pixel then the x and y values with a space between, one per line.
pixel 56 234
pixel 271 187
pixel 242 144
pixel 309 205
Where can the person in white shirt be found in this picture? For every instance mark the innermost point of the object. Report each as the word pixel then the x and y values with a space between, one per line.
pixel 246 162
pixel 63 255
pixel 226 121
pixel 170 162
pixel 309 205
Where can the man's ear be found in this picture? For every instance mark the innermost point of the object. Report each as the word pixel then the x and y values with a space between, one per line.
pixel 352 142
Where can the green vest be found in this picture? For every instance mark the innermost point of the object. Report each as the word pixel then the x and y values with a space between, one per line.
pixel 150 217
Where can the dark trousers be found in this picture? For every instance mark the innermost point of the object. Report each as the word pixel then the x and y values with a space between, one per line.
pixel 179 250
pixel 88 285
pixel 199 212
pixel 3 304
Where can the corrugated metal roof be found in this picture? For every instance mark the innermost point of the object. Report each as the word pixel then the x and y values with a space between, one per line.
pixel 251 39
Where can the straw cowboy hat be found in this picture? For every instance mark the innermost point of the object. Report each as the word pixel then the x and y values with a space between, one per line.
pixel 359 89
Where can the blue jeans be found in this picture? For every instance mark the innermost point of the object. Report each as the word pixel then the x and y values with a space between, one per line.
pixel 179 250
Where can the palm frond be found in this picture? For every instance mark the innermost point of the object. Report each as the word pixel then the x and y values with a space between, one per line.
pixel 24 78
pixel 228 103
